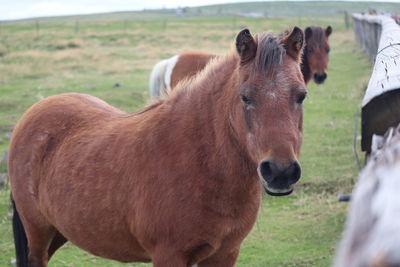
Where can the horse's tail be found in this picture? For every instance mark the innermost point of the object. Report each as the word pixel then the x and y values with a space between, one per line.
pixel 160 78
pixel 20 240
pixel 157 79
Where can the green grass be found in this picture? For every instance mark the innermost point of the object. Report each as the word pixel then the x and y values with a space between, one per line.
pixel 298 230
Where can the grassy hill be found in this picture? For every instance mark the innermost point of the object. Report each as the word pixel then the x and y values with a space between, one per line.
pixel 295 8
pixel 265 9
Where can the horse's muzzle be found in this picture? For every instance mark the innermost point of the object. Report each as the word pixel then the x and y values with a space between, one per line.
pixel 279 180
pixel 320 77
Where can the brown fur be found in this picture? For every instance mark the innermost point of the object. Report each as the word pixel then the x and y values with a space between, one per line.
pixel 175 184
pixel 188 65
pixel 194 61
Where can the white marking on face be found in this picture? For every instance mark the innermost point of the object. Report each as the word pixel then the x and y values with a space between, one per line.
pixel 250 137
pixel 272 95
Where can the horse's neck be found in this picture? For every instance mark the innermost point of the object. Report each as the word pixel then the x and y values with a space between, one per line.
pixel 191 129
pixel 209 101
pixel 305 69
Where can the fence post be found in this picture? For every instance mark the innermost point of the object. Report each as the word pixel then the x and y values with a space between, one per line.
pixel 346 20
pixel 372 234
pixel 380 38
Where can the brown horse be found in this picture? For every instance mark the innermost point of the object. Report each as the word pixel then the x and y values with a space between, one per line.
pixel 316 54
pixel 167 73
pixel 178 183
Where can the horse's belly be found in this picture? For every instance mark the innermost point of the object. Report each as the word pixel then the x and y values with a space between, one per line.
pixel 94 226
pixel 117 246
pixel 130 253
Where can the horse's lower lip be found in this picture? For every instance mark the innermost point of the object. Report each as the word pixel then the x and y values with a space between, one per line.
pixel 278 194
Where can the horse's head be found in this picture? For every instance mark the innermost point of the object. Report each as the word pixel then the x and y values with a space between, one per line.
pixel 317 51
pixel 269 114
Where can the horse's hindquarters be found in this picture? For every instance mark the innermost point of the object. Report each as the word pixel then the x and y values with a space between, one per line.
pixel 53 169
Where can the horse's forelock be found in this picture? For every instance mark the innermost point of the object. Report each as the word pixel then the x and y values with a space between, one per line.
pixel 270 53
pixel 318 35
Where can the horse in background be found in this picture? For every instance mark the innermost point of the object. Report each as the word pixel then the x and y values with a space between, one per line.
pixel 178 183
pixel 167 73
pixel 316 54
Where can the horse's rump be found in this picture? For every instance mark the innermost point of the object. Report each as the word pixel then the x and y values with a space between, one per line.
pixel 65 137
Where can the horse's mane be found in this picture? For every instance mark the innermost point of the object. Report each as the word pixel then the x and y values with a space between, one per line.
pixel 269 55
pixel 216 70
pixel 270 52
pixel 149 107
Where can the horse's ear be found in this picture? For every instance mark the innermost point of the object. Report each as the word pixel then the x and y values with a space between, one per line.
pixel 328 31
pixel 308 33
pixel 294 43
pixel 246 46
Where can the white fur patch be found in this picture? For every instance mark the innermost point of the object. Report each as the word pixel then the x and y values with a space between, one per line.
pixel 157 81
pixel 170 67
pixel 272 95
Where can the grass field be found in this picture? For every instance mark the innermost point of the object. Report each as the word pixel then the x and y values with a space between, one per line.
pixel 113 59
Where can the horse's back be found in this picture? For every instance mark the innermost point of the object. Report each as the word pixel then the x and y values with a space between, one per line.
pixel 167 73
pixel 71 104
pixel 189 64
pixel 65 111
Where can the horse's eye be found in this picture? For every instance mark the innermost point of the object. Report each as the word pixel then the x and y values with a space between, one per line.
pixel 245 100
pixel 310 50
pixel 300 98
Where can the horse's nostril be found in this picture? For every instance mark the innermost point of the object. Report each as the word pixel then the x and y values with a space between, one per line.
pixel 268 170
pixel 320 77
pixel 287 175
pixel 293 172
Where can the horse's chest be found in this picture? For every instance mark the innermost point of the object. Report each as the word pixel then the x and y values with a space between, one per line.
pixel 232 218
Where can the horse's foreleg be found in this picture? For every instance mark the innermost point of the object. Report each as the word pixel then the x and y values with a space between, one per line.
pixel 168 258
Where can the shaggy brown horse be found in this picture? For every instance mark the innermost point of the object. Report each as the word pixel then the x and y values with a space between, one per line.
pixel 178 183
pixel 167 73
